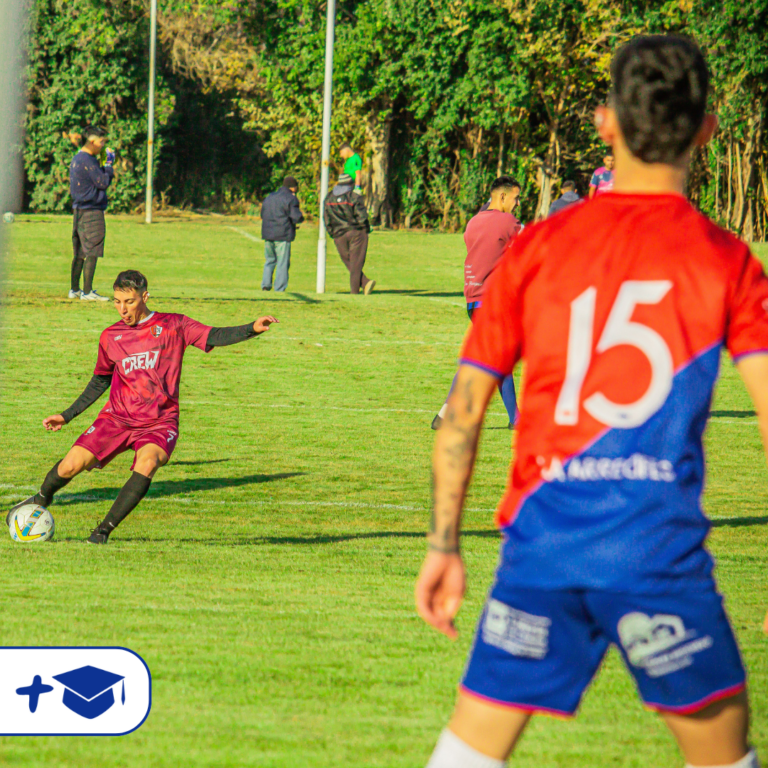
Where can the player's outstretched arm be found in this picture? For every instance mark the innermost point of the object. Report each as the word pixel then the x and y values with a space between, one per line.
pixel 753 369
pixel 441 583
pixel 224 337
pixel 95 388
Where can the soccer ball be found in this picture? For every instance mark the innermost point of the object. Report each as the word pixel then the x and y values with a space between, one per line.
pixel 31 523
pixel 8 218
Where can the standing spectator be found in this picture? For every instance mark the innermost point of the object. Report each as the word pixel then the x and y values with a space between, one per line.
pixel 347 223
pixel 568 197
pixel 602 178
pixel 280 213
pixel 88 183
pixel 353 166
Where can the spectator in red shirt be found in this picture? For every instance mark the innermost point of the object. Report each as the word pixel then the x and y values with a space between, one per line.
pixel 487 235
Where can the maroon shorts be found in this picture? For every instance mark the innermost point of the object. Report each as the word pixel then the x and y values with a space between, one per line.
pixel 107 438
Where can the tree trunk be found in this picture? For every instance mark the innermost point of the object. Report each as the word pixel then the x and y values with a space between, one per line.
pixel 500 163
pixel 379 135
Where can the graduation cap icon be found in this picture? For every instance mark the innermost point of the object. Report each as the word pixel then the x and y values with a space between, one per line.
pixel 88 690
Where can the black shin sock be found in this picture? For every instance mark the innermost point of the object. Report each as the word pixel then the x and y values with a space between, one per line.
pixel 53 482
pixel 88 273
pixel 76 271
pixel 130 495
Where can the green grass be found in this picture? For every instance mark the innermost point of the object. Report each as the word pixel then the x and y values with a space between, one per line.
pixel 267 578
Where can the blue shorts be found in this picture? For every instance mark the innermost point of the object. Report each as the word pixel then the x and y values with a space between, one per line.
pixel 538 650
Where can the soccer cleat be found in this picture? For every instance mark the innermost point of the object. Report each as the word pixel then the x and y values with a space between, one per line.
pixel 266 289
pixel 369 286
pixel 92 296
pixel 98 536
pixel 30 500
pixel 437 422
pixel 75 294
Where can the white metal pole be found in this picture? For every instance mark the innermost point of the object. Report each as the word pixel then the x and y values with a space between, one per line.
pixel 151 116
pixel 330 25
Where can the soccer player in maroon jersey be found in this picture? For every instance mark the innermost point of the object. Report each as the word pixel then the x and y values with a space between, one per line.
pixel 139 360
pixel 622 307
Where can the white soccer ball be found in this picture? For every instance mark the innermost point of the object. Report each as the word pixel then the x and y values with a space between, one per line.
pixel 31 523
pixel 8 218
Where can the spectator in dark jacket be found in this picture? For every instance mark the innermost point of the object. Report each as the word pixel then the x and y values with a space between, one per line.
pixel 568 197
pixel 346 221
pixel 88 183
pixel 280 213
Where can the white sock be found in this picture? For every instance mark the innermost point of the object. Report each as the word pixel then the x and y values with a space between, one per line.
pixel 441 412
pixel 748 761
pixel 452 752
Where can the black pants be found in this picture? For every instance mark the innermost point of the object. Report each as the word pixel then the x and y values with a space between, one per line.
pixel 88 234
pixel 353 246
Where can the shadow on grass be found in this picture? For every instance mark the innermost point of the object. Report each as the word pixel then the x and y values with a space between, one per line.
pixel 252 541
pixel 200 461
pixel 417 292
pixel 732 414
pixel 160 488
pixel 257 300
pixel 739 522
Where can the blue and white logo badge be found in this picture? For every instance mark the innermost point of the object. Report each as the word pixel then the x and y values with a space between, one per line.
pixel 72 691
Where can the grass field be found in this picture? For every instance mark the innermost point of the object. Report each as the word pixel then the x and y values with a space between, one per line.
pixel 267 578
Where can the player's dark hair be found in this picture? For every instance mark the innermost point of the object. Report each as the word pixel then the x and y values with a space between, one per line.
pixel 345 145
pixel 130 280
pixel 505 183
pixel 91 130
pixel 659 91
pixel 568 186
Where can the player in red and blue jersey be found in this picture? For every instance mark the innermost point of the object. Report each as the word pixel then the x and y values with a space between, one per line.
pixel 139 361
pixel 603 531
pixel 602 178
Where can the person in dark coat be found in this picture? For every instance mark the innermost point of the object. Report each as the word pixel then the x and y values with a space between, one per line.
pixel 280 213
pixel 88 183
pixel 568 197
pixel 346 221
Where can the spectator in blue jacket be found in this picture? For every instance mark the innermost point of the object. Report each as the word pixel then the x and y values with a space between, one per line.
pixel 280 213
pixel 88 183
pixel 568 197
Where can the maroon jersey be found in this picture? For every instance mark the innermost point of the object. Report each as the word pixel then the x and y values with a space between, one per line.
pixel 145 363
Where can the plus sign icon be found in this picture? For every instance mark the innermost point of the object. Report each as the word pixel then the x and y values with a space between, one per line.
pixel 55 691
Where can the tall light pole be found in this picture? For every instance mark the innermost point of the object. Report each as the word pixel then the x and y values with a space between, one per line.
pixel 151 115
pixel 330 26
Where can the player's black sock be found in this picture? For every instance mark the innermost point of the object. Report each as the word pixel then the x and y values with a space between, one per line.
pixel 53 482
pixel 130 495
pixel 77 270
pixel 89 272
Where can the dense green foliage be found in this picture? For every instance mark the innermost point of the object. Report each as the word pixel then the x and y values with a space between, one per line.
pixel 267 578
pixel 439 95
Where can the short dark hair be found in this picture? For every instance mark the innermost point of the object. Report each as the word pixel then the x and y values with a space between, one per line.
pixel 566 185
pixel 505 182
pixel 92 130
pixel 659 91
pixel 130 280
pixel 290 182
pixel 346 145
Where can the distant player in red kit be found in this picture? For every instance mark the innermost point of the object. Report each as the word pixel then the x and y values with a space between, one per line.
pixel 139 360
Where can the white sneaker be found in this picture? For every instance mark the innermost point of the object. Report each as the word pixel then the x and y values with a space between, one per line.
pixel 75 294
pixel 92 296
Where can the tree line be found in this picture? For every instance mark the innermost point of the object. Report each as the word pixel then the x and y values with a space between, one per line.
pixel 440 96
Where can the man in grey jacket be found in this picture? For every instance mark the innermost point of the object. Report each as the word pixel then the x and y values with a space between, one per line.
pixel 346 221
pixel 568 197
pixel 280 213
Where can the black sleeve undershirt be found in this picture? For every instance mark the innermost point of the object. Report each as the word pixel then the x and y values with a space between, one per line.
pixel 95 388
pixel 223 337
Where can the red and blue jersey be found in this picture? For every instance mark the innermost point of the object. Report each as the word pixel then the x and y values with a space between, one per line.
pixel 620 308
pixel 602 180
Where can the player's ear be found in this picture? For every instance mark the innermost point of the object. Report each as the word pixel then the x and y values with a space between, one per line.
pixel 606 124
pixel 145 296
pixel 707 130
